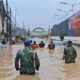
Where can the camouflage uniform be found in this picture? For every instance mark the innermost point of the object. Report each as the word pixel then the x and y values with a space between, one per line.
pixel 69 54
pixel 27 60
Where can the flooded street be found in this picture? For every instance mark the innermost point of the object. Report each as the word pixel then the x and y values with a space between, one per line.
pixel 51 67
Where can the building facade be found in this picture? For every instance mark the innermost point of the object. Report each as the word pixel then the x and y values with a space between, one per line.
pixel 60 28
pixel 2 21
pixel 74 24
pixel 69 27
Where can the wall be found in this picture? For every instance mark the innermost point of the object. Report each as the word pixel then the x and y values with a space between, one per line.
pixel 70 27
pixel 60 28
pixel 0 24
pixel 74 24
pixel 0 27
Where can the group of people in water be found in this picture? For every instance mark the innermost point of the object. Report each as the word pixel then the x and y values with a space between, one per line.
pixel 42 45
pixel 29 60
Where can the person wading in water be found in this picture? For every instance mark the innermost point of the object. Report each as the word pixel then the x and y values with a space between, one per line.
pixel 70 53
pixel 41 44
pixel 29 60
pixel 34 46
pixel 51 46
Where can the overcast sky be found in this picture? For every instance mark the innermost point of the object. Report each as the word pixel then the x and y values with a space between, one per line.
pixel 39 13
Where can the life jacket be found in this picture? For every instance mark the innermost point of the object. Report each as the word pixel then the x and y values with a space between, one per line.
pixel 70 55
pixel 34 46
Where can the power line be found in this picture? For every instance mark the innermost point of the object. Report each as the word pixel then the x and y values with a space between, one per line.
pixel 73 6
pixel 16 11
pixel 75 2
pixel 16 8
pixel 16 25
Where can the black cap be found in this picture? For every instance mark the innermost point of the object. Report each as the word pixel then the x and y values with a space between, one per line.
pixel 70 42
pixel 34 42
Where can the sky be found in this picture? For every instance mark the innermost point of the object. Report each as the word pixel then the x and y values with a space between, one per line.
pixel 40 13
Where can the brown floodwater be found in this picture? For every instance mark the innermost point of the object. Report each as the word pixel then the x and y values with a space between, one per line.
pixel 51 68
pixel 72 71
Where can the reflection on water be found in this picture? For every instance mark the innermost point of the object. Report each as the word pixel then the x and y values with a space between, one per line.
pixel 27 77
pixel 72 71
pixel 6 62
pixel 41 49
pixel 59 43
pixel 51 51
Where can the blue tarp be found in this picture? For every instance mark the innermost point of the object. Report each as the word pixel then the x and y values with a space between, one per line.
pixel 70 31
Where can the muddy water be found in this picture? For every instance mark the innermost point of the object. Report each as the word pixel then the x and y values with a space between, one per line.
pixel 72 71
pixel 6 62
pixel 51 68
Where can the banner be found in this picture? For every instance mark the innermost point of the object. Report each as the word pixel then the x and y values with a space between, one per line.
pixel 74 24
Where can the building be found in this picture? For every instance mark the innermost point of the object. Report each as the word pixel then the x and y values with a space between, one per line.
pixel 74 24
pixel 2 20
pixel 39 32
pixel 69 27
pixel 60 28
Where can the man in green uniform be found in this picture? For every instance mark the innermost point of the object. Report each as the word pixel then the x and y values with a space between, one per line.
pixel 29 60
pixel 70 53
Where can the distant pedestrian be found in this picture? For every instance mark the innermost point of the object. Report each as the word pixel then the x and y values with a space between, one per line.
pixel 61 37
pixel 41 44
pixel 51 46
pixel 34 46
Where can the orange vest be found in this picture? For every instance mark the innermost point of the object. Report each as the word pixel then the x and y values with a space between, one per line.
pixel 34 46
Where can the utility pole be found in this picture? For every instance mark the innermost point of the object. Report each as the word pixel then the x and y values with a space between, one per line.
pixel 49 34
pixel 49 30
pixel 7 27
pixel 10 29
pixel 23 29
pixel 15 19
pixel 2 15
pixel 49 27
pixel 15 25
pixel 28 33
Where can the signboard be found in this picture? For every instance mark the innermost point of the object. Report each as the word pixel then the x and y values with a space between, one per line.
pixel 74 24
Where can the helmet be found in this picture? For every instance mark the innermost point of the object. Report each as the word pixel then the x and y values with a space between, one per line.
pixel 27 42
